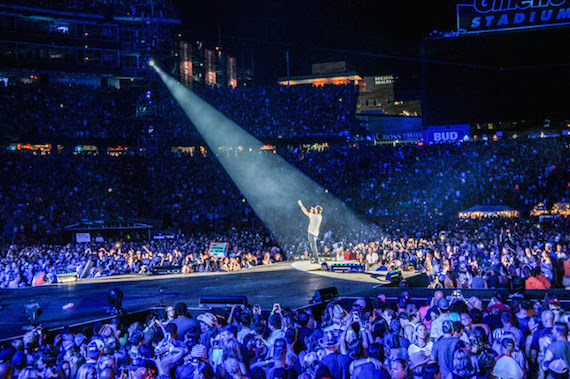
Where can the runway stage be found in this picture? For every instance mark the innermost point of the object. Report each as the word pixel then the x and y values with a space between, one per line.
pixel 293 285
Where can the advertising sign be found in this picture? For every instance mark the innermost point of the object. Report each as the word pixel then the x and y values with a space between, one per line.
pixel 446 133
pixel 82 237
pixel 390 129
pixel 494 15
pixel 186 64
pixel 218 249
pixel 210 68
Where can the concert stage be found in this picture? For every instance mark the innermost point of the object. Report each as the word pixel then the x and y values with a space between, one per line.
pixel 262 285
pixel 292 285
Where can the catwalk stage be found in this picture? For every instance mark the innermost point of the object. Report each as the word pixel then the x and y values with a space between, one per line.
pixel 291 284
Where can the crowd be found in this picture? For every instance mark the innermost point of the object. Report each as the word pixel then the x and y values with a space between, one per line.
pixel 402 182
pixel 32 112
pixel 467 254
pixel 472 254
pixel 285 112
pixel 408 180
pixel 413 193
pixel 33 265
pixel 446 337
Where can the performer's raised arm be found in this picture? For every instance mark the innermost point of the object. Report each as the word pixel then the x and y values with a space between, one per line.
pixel 305 211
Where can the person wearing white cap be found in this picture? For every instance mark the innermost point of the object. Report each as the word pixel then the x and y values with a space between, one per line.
pixel 560 348
pixel 507 368
pixel 209 328
pixel 557 369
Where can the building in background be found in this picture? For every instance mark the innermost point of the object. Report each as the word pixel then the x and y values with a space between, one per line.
pixel 387 120
pixel 376 93
pixel 325 73
pixel 107 45
pixel 98 46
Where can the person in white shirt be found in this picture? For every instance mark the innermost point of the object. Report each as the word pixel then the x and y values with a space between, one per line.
pixel 371 259
pixel 315 219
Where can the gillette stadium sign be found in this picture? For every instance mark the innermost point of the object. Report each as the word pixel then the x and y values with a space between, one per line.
pixel 494 15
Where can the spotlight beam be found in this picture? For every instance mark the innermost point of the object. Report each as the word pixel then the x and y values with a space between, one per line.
pixel 270 184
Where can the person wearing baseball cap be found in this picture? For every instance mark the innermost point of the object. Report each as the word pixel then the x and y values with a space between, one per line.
pixel 444 314
pixel 557 369
pixel 560 348
pixel 442 350
pixel 197 355
pixel 338 364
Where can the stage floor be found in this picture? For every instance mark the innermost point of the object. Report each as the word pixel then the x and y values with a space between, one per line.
pixel 264 285
pixel 291 284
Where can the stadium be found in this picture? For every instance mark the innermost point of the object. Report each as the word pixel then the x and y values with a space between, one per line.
pixel 284 191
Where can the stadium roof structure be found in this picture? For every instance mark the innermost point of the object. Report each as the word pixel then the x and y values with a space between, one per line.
pixel 480 211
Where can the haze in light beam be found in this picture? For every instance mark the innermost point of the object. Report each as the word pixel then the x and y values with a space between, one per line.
pixel 270 184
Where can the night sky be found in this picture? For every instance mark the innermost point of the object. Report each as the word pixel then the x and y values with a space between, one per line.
pixel 495 77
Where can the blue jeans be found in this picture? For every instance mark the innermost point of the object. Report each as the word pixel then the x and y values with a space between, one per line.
pixel 313 245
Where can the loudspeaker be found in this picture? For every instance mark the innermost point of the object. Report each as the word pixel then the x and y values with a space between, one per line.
pixel 420 280
pixel 222 301
pixel 325 294
pixel 115 299
pixel 161 270
pixel 394 277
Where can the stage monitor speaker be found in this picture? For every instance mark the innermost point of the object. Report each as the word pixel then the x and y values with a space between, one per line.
pixel 394 277
pixel 222 301
pixel 325 294
pixel 418 281
pixel 162 270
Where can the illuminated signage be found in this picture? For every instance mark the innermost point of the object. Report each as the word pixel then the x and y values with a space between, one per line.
pixel 380 80
pixel 218 249
pixel 493 15
pixel 446 133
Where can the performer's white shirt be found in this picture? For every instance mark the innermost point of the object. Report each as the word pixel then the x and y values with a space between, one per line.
pixel 315 221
